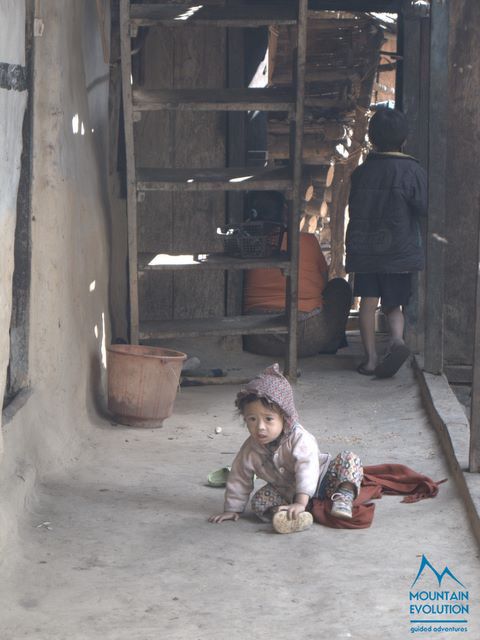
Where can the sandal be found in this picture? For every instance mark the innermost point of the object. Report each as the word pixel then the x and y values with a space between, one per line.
pixel 392 362
pixel 218 478
pixel 365 372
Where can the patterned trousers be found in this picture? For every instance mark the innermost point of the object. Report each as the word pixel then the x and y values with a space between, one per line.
pixel 346 467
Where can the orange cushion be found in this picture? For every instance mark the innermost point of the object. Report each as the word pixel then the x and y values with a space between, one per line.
pixel 265 288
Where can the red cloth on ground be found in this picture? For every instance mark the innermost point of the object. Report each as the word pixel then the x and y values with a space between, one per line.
pixel 380 479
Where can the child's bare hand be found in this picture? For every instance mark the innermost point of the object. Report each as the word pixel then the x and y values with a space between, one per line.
pixel 292 510
pixel 226 515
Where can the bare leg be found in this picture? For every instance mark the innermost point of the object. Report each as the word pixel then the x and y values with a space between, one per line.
pixel 366 317
pixel 398 351
pixel 396 322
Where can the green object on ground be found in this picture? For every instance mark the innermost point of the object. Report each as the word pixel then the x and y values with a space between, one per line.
pixel 219 477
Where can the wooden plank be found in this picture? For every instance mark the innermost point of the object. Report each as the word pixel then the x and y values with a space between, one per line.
pixel 154 146
pixel 437 169
pixel 214 326
pixel 474 449
pixel 462 183
pixel 236 156
pixel 415 106
pixel 130 157
pixel 422 155
pixel 230 16
pixel 215 99
pixel 208 179
pixel 463 192
pixel 458 374
pixel 200 61
pixel 318 22
pixel 213 261
pixel 156 296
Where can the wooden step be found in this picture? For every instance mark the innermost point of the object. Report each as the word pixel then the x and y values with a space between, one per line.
pixel 211 261
pixel 214 99
pixel 226 179
pixel 191 14
pixel 231 325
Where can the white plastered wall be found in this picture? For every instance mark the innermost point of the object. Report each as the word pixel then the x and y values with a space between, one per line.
pixel 12 109
pixel 70 229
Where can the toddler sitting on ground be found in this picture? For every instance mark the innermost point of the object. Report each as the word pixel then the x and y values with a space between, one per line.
pixel 286 456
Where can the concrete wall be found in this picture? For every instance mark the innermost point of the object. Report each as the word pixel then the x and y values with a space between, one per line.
pixel 70 228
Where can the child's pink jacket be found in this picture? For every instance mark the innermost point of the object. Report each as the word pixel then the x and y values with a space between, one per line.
pixel 297 466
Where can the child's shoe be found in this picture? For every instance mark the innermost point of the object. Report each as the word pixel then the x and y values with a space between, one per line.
pixel 342 505
pixel 282 524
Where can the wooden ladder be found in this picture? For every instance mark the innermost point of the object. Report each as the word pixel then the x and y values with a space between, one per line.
pixel 215 13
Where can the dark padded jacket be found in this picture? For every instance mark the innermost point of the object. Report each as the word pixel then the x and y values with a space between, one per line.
pixel 388 194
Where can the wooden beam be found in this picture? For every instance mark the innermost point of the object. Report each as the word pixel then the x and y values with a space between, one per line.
pixel 187 14
pixel 294 218
pixel 437 174
pixel 390 6
pixel 214 99
pixel 213 179
pixel 130 157
pixel 215 326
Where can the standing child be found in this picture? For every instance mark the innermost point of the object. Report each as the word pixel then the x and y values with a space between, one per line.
pixel 286 456
pixel 383 244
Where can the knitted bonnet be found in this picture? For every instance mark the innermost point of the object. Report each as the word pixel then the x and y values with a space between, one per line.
pixel 273 386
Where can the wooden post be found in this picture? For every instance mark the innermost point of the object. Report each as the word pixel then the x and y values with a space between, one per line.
pixel 294 218
pixel 415 68
pixel 437 174
pixel 130 158
pixel 236 153
pixel 474 458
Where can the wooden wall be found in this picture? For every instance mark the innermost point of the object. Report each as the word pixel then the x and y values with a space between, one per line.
pixel 463 184
pixel 182 223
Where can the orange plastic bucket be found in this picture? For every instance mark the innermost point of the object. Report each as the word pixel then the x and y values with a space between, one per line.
pixel 142 383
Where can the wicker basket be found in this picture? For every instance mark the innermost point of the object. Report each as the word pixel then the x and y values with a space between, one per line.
pixel 252 239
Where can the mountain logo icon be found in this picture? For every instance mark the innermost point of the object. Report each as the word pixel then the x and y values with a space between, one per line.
pixel 426 564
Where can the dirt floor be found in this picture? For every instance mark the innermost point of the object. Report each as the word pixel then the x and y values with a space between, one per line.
pixel 120 547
